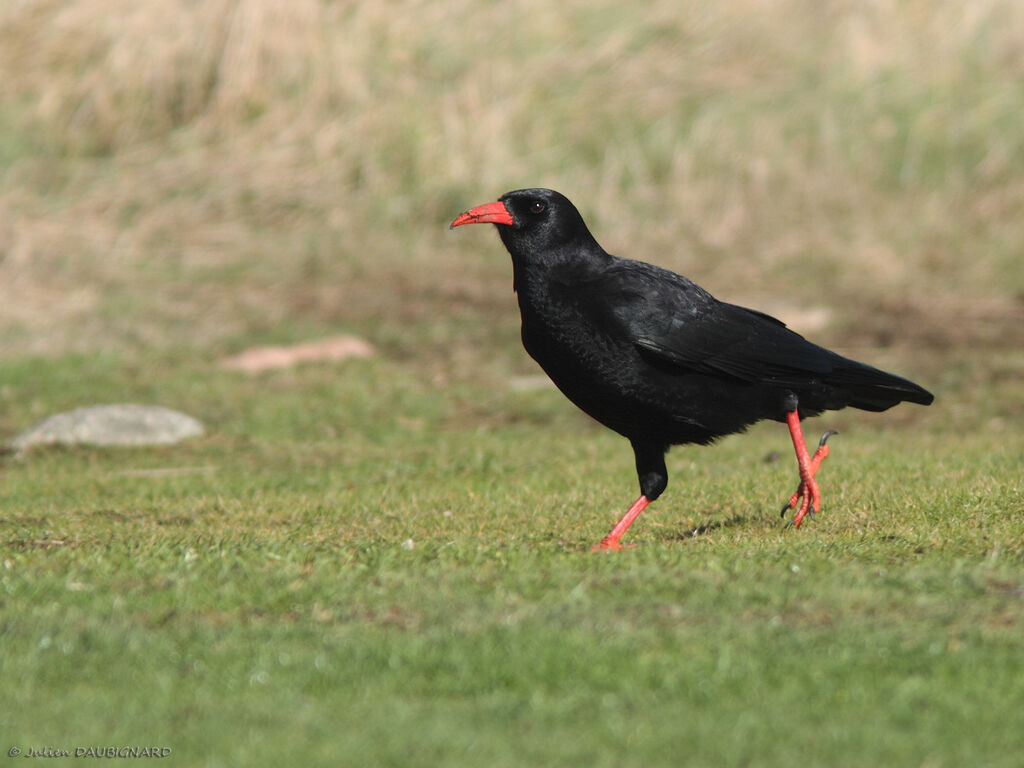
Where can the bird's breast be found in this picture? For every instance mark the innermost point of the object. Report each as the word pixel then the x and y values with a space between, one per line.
pixel 590 366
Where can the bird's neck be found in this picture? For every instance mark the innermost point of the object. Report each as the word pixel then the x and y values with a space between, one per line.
pixel 551 294
pixel 572 264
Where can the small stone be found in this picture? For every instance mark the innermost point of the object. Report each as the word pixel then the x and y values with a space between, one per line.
pixel 121 424
pixel 530 383
pixel 334 349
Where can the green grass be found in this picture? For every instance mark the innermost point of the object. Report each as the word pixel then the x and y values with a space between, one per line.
pixel 359 567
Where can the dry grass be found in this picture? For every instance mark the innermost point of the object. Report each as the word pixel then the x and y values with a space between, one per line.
pixel 189 173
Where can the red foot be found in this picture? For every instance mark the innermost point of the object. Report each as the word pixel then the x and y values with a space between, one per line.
pixel 807 499
pixel 611 543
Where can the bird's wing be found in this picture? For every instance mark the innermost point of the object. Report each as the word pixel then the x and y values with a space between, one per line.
pixel 675 323
pixel 735 342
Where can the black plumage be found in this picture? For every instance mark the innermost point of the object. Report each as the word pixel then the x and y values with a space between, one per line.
pixel 658 359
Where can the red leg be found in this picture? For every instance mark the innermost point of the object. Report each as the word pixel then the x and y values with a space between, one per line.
pixel 611 541
pixel 807 493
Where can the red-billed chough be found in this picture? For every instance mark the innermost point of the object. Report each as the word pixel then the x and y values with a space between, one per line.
pixel 657 358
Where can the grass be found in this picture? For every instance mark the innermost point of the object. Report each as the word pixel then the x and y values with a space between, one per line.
pixel 359 567
pixel 386 561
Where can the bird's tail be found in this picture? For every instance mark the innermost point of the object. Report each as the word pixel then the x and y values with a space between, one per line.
pixel 871 389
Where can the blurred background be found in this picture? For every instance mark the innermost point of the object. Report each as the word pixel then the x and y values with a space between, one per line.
pixel 195 177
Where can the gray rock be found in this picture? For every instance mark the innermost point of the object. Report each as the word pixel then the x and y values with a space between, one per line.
pixel 121 424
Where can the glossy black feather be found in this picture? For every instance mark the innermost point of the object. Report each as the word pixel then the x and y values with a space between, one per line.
pixel 654 356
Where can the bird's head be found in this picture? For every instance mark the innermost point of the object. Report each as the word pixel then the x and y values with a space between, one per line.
pixel 531 222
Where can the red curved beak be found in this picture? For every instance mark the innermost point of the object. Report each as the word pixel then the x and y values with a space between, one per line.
pixel 488 213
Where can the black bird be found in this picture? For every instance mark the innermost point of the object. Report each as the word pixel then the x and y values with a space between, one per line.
pixel 655 357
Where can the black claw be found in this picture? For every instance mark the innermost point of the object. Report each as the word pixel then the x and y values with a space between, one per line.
pixel 789 524
pixel 785 509
pixel 826 436
pixel 811 513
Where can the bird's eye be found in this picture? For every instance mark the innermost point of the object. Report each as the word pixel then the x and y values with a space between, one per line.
pixel 537 207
